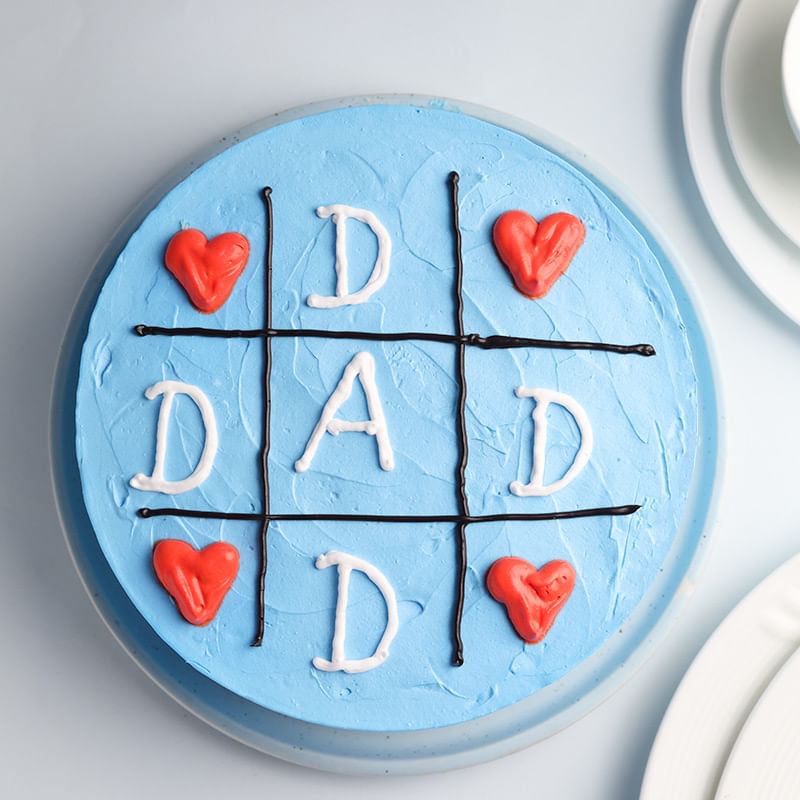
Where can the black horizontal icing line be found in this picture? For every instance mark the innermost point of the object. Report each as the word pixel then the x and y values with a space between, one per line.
pixel 494 342
pixel 607 511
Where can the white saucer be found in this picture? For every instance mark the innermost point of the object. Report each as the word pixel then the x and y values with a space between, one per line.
pixel 759 132
pixel 790 68
pixel 770 260
pixel 763 762
pixel 721 687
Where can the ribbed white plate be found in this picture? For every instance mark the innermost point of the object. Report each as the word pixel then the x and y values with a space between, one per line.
pixel 764 762
pixel 720 689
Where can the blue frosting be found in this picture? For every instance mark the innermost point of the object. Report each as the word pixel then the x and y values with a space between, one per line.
pixel 394 161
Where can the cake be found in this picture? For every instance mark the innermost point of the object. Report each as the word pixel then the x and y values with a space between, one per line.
pixel 386 418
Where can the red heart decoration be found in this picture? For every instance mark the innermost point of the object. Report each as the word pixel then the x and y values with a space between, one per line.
pixel 207 270
pixel 532 597
pixel 537 254
pixel 197 580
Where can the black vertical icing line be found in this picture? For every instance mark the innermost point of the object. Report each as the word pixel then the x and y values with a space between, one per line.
pixel 463 445
pixel 266 402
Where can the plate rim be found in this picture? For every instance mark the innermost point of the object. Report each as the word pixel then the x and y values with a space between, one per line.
pixel 471 748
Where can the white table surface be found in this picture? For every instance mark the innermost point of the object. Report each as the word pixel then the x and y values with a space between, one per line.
pixel 98 101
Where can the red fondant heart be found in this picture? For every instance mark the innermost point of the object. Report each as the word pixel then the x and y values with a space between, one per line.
pixel 197 580
pixel 537 254
pixel 532 597
pixel 207 270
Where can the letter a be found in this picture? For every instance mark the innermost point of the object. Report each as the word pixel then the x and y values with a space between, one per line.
pixel 380 272
pixel 156 482
pixel 543 398
pixel 346 564
pixel 362 366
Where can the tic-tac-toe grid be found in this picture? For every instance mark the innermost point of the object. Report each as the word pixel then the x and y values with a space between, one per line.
pixel 461 341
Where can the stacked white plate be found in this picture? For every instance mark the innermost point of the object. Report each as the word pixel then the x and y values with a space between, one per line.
pixel 741 101
pixel 732 730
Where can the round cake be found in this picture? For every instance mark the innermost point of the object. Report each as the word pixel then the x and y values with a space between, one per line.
pixel 387 418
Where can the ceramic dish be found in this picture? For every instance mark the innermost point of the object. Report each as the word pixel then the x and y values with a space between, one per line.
pixel 769 259
pixel 761 138
pixel 763 762
pixel 721 687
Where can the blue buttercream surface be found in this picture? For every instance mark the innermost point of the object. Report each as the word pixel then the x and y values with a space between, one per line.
pixel 394 161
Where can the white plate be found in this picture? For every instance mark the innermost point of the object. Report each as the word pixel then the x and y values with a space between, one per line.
pixel 763 762
pixel 770 260
pixel 790 71
pixel 760 136
pixel 720 689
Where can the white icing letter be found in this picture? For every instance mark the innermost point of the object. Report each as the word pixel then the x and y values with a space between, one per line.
pixel 363 366
pixel 156 482
pixel 346 564
pixel 543 398
pixel 380 272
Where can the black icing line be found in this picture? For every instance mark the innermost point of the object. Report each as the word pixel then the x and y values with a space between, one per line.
pixel 463 441
pixel 605 511
pixel 495 342
pixel 266 406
